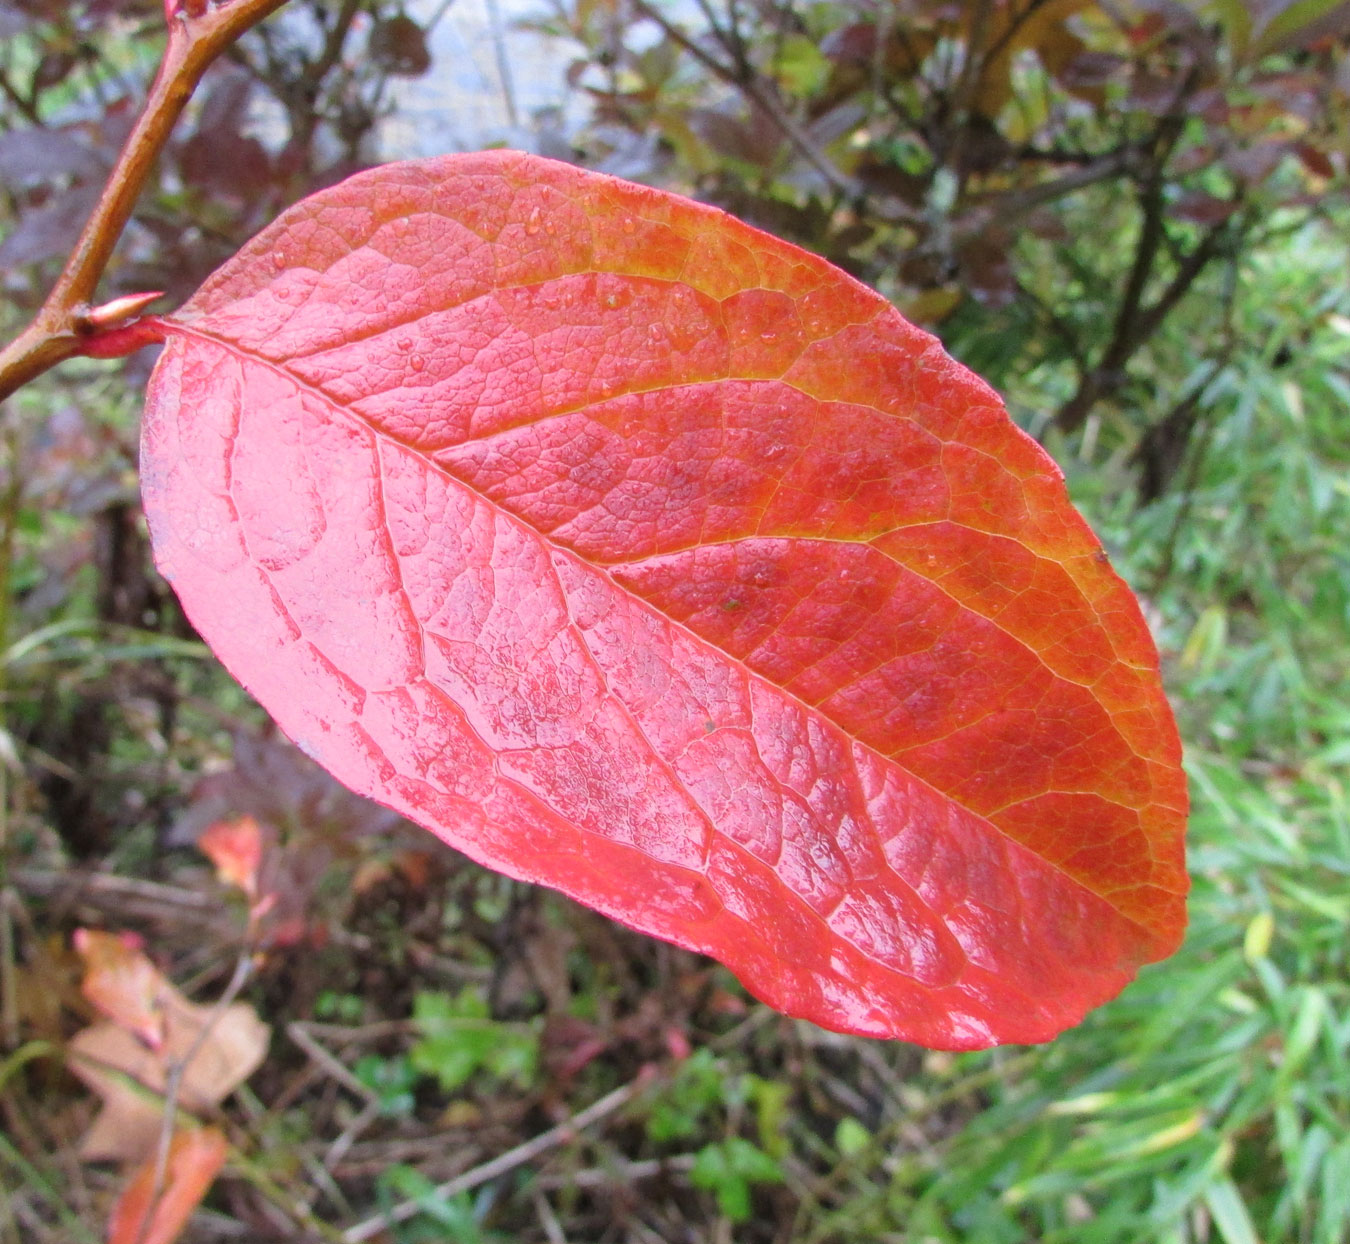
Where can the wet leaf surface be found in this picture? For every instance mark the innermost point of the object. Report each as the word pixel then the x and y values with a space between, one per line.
pixel 643 555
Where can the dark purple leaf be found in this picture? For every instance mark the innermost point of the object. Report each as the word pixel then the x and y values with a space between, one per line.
pixel 50 230
pixel 37 154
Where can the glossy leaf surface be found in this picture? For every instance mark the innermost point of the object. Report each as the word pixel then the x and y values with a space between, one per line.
pixel 640 554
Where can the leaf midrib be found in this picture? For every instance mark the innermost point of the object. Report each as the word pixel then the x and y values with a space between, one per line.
pixel 182 330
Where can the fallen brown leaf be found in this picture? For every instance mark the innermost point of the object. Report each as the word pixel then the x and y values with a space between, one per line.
pixel 130 1075
pixel 122 983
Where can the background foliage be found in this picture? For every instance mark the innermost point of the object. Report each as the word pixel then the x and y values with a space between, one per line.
pixel 1131 217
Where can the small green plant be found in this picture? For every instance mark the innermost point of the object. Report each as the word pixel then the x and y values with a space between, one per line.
pixel 338 1008
pixel 392 1080
pixel 702 1086
pixel 851 1138
pixel 696 1089
pixel 440 1219
pixel 460 1037
pixel 728 1168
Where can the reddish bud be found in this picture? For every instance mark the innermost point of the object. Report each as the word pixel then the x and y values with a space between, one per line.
pixel 183 8
pixel 677 1044
pixel 114 314
pixel 113 330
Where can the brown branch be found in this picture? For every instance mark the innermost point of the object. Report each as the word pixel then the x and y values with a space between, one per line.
pixel 1013 29
pixel 26 106
pixel 1126 335
pixel 504 1163
pixel 301 97
pixel 1012 203
pixel 1151 236
pixel 748 84
pixel 974 62
pixel 728 36
pixel 60 330
pixel 1208 248
pixel 1135 324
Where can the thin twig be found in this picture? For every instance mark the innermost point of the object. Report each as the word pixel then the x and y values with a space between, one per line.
pixel 173 1079
pixel 619 1173
pixel 349 1135
pixel 503 63
pixel 548 1220
pixel 109 891
pixel 1199 452
pixel 284 1202
pixel 1099 168
pixel 296 1030
pixel 507 1161
pixel 26 106
pixel 973 64
pixel 9 982
pixel 747 82
pixel 301 106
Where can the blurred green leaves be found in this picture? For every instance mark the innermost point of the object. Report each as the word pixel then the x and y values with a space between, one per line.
pixel 704 1089
pixel 459 1039
pixel 728 1168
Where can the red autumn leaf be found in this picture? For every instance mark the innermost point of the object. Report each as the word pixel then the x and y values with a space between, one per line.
pixel 195 1157
pixel 638 553
pixel 236 849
